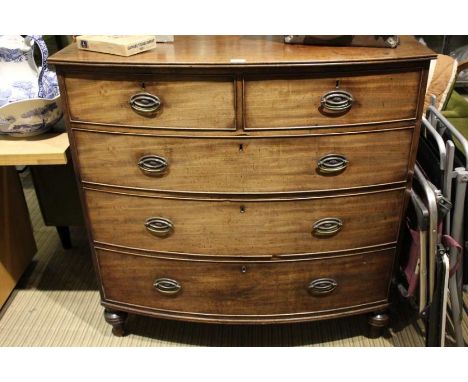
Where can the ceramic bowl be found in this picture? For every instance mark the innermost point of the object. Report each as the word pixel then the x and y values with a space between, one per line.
pixel 29 117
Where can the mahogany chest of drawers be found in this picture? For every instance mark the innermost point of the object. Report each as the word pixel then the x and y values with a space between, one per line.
pixel 242 180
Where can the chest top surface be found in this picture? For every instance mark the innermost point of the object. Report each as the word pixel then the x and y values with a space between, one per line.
pixel 244 51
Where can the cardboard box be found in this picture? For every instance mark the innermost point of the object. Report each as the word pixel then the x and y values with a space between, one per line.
pixel 121 45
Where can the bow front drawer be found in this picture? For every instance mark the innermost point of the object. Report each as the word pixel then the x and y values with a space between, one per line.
pixel 207 104
pixel 245 228
pixel 243 165
pixel 330 100
pixel 243 290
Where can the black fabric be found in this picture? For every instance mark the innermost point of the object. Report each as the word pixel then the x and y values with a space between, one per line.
pixel 429 160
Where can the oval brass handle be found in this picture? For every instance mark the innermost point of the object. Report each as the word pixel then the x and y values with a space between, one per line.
pixel 332 163
pixel 327 226
pixel 167 286
pixel 153 165
pixel 322 287
pixel 145 103
pixel 337 101
pixel 159 227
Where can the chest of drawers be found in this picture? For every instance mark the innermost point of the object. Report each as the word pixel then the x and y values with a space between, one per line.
pixel 241 180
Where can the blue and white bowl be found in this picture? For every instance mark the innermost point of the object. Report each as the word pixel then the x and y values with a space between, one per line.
pixel 29 117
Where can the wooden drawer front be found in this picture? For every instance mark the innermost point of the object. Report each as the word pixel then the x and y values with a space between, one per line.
pixel 252 288
pixel 184 104
pixel 287 103
pixel 230 228
pixel 245 165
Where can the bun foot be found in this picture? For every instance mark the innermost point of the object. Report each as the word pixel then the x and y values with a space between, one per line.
pixel 117 319
pixel 377 323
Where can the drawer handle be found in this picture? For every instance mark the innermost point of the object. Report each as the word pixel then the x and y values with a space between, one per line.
pixel 332 164
pixel 159 227
pixel 327 226
pixel 322 287
pixel 167 286
pixel 145 103
pixel 153 165
pixel 337 101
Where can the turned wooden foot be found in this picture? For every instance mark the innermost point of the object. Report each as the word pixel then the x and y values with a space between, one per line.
pixel 377 323
pixel 117 319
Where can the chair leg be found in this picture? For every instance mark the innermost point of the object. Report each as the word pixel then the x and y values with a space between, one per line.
pixel 64 234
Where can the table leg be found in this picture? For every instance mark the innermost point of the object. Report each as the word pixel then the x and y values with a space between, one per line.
pixel 17 244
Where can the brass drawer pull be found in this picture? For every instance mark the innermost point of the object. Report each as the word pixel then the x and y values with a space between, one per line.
pixel 327 226
pixel 167 286
pixel 337 101
pixel 159 227
pixel 322 287
pixel 153 165
pixel 145 103
pixel 332 164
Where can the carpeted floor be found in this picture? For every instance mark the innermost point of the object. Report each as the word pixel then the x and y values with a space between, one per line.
pixel 57 304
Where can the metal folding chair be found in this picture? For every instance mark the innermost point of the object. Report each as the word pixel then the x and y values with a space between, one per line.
pixel 452 183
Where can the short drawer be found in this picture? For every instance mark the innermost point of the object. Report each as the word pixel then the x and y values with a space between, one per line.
pixel 186 104
pixel 239 290
pixel 243 165
pixel 330 100
pixel 245 228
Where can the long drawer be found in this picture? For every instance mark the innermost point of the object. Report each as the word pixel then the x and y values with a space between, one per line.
pixel 238 290
pixel 330 100
pixel 183 103
pixel 245 228
pixel 246 165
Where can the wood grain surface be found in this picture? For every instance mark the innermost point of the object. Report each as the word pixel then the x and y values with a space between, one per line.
pixel 248 228
pixel 246 289
pixel 186 104
pixel 295 102
pixel 242 164
pixel 202 51
pixel 48 148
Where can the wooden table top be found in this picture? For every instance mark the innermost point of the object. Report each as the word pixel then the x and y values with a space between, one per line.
pixel 48 148
pixel 244 51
